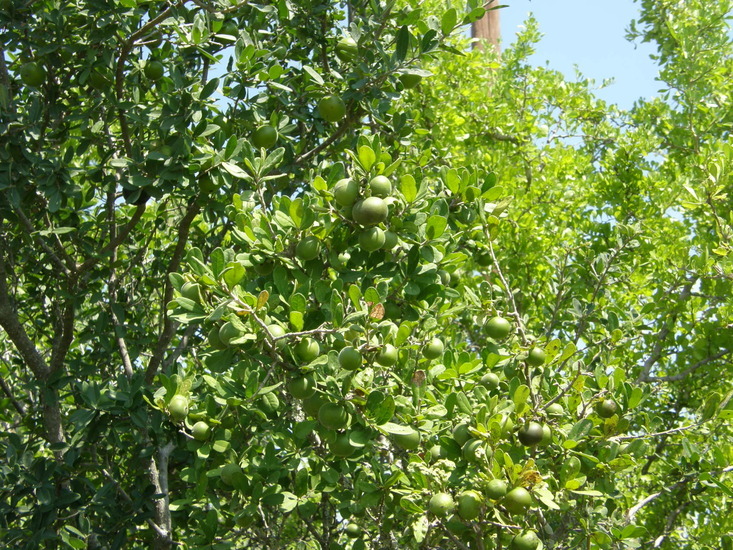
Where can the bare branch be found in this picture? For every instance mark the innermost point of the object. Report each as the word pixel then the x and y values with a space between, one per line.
pixel 661 336
pixel 689 370
pixel 169 326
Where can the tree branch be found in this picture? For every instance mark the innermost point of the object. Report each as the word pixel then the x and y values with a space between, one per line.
pixel 689 370
pixel 661 336
pixel 169 326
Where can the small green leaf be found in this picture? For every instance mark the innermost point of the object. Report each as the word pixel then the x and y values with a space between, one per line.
pixel 367 157
pixel 408 186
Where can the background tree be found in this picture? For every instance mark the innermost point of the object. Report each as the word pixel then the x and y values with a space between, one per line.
pixel 271 280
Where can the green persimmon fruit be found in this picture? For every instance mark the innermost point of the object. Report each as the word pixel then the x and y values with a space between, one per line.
pixel 536 357
pixel 606 408
pixel 371 239
pixel 498 328
pixel 308 349
pixel 308 248
pixel 526 540
pixel 341 446
pixel 201 431
pixel 302 387
pixel 469 504
pixel 496 489
pixel 32 74
pixel 178 408
pixel 408 442
pixel 345 192
pixel 370 211
pixel 387 356
pixel 231 474
pixel 333 416
pixel 441 504
pixel 517 501
pixel 154 70
pixel 390 240
pixel 350 358
pixel 380 186
pixel 530 434
pixel 347 49
pixel 332 108
pixel 264 136
pixel 490 381
pixel 433 349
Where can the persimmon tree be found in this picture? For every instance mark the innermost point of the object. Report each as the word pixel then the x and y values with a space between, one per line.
pixel 282 275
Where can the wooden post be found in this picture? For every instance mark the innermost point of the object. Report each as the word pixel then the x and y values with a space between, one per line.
pixel 488 28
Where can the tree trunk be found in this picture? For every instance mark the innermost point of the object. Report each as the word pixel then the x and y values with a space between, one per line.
pixel 488 29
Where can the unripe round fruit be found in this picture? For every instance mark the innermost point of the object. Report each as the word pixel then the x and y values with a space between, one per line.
pixel 231 474
pixel 154 70
pixel 264 136
pixel 347 49
pixel 517 500
pixel 191 291
pixel 333 416
pixel 530 434
pixel 526 540
pixel 370 211
pixel 490 380
pixel 308 248
pixel 498 328
pixel 350 358
pixel 311 405
pixel 546 436
pixel 345 192
pixel 214 339
pixel 390 240
pixel 436 453
pixel 380 186
pixel 536 357
pixel 302 387
pixel 461 434
pixel 371 239
pixel 201 431
pixel 341 446
pixel 606 408
pixel 555 409
pixel 308 349
pixel 387 356
pixel 441 504
pixel 496 489
pixel 353 531
pixel 469 505
pixel 32 74
pixel 332 108
pixel 277 332
pixel 178 408
pixel 470 450
pixel 408 442
pixel 433 349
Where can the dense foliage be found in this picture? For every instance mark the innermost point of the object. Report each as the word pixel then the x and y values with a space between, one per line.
pixel 307 275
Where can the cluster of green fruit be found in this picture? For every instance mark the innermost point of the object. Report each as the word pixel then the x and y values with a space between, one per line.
pixel 178 411
pixel 369 208
pixel 468 506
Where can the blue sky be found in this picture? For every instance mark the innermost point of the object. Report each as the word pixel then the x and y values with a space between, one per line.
pixel 589 34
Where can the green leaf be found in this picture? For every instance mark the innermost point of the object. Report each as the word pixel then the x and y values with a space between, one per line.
pixel 367 157
pixel 408 187
pixel 396 429
pixel 435 227
pixel 402 43
pixel 449 21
